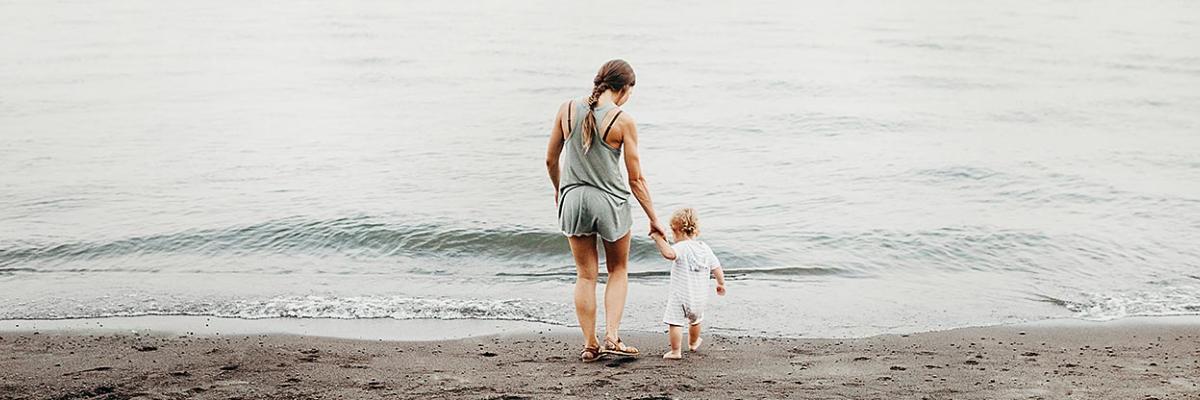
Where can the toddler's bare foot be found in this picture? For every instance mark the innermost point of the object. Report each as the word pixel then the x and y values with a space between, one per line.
pixel 673 355
pixel 695 345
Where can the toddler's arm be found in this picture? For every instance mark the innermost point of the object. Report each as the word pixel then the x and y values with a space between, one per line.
pixel 663 247
pixel 720 280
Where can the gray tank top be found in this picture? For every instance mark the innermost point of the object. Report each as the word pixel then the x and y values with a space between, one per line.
pixel 600 167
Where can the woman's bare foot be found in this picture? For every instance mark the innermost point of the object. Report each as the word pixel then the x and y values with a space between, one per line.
pixel 673 355
pixel 696 345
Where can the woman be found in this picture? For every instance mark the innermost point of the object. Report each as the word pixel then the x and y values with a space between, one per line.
pixel 592 198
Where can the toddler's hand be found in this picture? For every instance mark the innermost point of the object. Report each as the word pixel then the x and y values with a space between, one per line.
pixel 720 290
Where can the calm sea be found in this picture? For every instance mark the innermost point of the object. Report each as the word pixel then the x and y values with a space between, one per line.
pixel 859 167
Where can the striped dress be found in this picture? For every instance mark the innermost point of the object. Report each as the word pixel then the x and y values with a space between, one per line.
pixel 690 287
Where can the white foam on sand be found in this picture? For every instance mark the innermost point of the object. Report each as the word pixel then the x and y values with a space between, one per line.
pixel 363 329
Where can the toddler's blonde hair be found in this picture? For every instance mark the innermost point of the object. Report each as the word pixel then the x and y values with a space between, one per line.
pixel 685 220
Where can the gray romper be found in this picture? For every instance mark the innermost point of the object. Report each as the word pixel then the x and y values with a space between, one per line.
pixel 593 197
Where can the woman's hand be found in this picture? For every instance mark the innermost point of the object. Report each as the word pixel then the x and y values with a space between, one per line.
pixel 721 289
pixel 656 227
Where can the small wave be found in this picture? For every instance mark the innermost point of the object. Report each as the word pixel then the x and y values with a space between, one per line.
pixel 947 83
pixel 958 173
pixel 950 249
pixel 930 45
pixel 1175 300
pixel 836 125
pixel 330 307
pixel 349 236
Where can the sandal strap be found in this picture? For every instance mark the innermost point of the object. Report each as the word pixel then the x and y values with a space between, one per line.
pixel 618 345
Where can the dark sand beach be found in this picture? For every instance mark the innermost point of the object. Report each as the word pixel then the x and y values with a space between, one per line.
pixel 1146 359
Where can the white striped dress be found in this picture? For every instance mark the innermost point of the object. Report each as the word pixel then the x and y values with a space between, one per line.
pixel 690 287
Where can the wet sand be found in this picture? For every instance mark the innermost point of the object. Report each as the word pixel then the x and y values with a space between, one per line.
pixel 1149 359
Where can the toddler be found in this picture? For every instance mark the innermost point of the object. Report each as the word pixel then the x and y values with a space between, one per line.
pixel 693 261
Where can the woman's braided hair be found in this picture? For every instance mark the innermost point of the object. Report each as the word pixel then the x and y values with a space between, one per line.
pixel 615 75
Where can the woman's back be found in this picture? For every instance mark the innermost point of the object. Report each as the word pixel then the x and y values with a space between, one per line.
pixel 599 165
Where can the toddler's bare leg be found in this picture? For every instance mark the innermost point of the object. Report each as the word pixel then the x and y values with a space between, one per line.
pixel 694 337
pixel 675 333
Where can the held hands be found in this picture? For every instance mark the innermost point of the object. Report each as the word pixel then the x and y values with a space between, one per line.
pixel 656 228
pixel 720 289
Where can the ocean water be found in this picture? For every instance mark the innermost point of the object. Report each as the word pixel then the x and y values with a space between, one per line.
pixel 859 167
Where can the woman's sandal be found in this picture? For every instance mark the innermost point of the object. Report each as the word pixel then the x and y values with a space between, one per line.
pixel 619 348
pixel 590 354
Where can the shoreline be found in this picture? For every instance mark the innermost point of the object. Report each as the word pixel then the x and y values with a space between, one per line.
pixel 1126 359
pixel 406 330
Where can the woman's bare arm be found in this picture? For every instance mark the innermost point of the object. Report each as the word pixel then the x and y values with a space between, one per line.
pixel 633 164
pixel 554 150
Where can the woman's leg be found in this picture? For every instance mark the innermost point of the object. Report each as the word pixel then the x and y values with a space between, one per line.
pixel 586 268
pixel 616 257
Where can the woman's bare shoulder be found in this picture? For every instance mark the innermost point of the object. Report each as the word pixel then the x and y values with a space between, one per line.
pixel 565 106
pixel 625 122
pixel 625 118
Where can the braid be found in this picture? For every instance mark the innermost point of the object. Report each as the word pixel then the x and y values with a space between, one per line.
pixel 614 75
pixel 589 121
